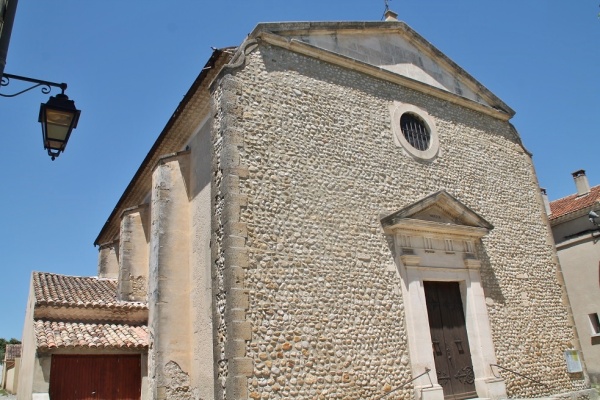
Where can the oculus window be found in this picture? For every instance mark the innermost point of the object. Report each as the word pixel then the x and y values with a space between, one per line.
pixel 415 131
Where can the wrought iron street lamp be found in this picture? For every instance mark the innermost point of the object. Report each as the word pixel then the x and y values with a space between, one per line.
pixel 58 116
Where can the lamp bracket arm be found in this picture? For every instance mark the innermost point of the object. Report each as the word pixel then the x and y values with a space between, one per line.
pixel 46 85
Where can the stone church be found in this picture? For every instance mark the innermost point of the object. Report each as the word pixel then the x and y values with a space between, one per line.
pixel 336 210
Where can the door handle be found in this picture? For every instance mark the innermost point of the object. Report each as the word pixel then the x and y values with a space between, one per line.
pixel 436 348
pixel 449 356
pixel 459 346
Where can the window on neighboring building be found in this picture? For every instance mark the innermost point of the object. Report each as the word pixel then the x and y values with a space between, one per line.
pixel 595 323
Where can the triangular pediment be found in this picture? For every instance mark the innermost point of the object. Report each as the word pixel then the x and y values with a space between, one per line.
pixel 436 213
pixel 439 211
pixel 392 46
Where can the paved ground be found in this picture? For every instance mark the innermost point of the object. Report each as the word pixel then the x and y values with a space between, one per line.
pixel 8 397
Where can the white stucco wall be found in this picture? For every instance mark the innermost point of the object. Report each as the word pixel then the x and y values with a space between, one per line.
pixel 580 261
pixel 29 362
pixel 202 373
pixel 12 377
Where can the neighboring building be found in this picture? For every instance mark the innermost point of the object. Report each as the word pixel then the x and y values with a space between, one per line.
pixel 8 8
pixel 79 338
pixel 329 203
pixel 3 9
pixel 576 239
pixel 10 371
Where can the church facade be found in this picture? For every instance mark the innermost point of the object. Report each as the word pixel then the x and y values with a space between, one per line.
pixel 339 211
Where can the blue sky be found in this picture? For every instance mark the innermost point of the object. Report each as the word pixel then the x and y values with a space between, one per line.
pixel 129 63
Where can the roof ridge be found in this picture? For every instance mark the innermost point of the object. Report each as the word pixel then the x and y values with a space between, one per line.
pixel 78 291
pixel 74 276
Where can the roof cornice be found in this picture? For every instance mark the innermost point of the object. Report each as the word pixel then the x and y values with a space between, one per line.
pixel 133 315
pixel 377 72
pixel 274 33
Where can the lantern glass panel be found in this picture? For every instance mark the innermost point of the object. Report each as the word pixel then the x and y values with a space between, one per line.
pixel 58 123
pixel 54 145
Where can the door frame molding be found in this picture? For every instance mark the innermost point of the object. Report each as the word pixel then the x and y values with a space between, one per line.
pixel 438 239
pixel 476 321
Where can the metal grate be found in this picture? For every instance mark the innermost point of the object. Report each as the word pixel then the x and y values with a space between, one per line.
pixel 415 131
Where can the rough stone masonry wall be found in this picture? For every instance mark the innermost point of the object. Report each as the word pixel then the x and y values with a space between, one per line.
pixel 219 298
pixel 326 314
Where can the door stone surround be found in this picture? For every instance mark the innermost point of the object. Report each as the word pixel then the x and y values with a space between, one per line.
pixel 435 240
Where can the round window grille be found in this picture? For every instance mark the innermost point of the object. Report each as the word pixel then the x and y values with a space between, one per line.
pixel 415 131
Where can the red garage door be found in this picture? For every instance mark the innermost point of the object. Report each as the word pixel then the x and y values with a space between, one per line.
pixel 106 377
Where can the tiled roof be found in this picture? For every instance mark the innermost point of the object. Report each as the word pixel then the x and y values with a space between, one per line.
pixel 78 291
pixel 12 351
pixel 59 334
pixel 573 203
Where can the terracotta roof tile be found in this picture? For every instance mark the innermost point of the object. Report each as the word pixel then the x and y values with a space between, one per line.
pixel 573 203
pixel 12 351
pixel 78 291
pixel 60 334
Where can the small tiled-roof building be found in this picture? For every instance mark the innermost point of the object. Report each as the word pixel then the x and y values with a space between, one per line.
pixel 12 351
pixel 77 328
pixel 10 376
pixel 576 237
pixel 573 206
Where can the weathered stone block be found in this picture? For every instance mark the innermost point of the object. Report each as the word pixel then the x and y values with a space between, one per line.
pixel 239 330
pixel 235 349
pixel 236 388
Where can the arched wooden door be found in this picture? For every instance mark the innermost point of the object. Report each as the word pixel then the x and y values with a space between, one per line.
pixel 450 344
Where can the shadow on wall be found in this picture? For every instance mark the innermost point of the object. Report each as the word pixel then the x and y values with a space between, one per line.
pixel 490 284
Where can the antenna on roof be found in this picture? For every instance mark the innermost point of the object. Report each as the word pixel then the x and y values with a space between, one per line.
pixel 388 14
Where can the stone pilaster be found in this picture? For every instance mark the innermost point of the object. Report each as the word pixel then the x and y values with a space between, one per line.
pixel 234 251
pixel 108 260
pixel 133 254
pixel 202 375
pixel 169 285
